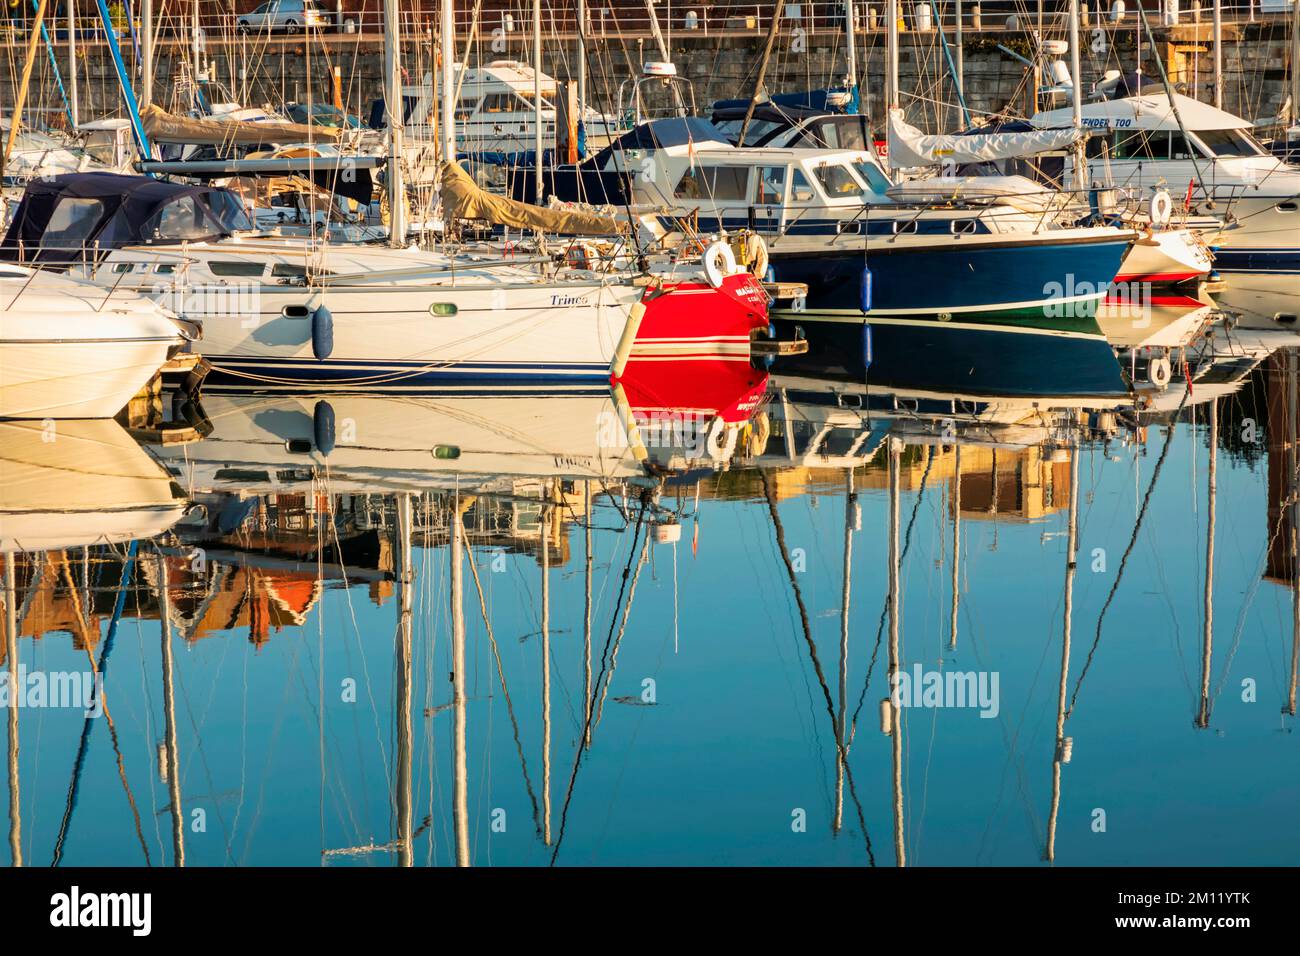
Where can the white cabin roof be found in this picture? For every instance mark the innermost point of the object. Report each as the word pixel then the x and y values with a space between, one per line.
pixel 1149 111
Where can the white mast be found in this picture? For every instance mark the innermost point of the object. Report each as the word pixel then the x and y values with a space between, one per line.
pixel 537 99
pixel 460 800
pixel 169 718
pixel 891 56
pixel 72 61
pixel 403 779
pixel 393 105
pixel 1218 55
pixel 851 41
pixel 582 60
pixel 146 52
pixel 448 30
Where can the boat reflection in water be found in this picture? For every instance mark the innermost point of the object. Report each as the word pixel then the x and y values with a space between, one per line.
pixel 483 629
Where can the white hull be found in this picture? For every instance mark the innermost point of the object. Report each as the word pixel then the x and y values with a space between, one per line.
pixel 68 350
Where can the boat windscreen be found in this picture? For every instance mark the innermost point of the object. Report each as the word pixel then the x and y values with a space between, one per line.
pixel 1229 142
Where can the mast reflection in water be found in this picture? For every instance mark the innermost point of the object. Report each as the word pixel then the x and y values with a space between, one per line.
pixel 473 630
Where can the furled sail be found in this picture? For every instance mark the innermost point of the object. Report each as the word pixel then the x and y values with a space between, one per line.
pixel 909 147
pixel 166 127
pixel 463 199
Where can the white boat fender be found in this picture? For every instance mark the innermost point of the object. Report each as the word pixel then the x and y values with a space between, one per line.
pixel 721 440
pixel 1159 371
pixel 719 262
pixel 322 333
pixel 1160 207
pixel 756 247
pixel 322 427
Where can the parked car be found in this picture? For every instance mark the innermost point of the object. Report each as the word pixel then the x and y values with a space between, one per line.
pixel 287 15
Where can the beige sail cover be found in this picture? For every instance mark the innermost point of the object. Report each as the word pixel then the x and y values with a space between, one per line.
pixel 168 128
pixel 463 199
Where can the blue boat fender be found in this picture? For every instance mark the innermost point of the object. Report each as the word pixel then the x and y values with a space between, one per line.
pixel 866 288
pixel 866 345
pixel 322 427
pixel 322 333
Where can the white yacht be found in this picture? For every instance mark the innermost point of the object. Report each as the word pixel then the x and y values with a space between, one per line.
pixel 1217 170
pixel 71 349
pixel 496 112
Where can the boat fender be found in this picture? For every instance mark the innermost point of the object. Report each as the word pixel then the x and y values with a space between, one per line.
pixel 720 442
pixel 322 427
pixel 866 289
pixel 757 249
pixel 322 333
pixel 1160 207
pixel 1159 371
pixel 719 262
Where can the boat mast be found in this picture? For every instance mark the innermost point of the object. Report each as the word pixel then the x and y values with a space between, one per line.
pixel 895 615
pixel 72 63
pixel 546 669
pixel 537 103
pixel 1218 55
pixel 402 783
pixel 891 56
pixel 11 663
pixel 582 60
pixel 841 724
pixel 448 30
pixel 851 43
pixel 15 119
pixel 169 718
pixel 1061 755
pixel 146 52
pixel 393 105
pixel 1207 637
pixel 762 70
pixel 1293 387
pixel 460 799
pixel 956 546
pixel 1295 64
pixel 1080 179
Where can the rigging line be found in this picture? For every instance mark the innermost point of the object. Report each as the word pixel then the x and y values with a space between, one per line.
pixel 880 628
pixel 604 654
pixel 510 707
pixel 1137 528
pixel 100 672
pixel 770 493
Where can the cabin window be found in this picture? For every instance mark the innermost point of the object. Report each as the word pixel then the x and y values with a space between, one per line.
pixel 500 103
pixel 465 107
pixel 122 268
pixel 1179 147
pixel 800 189
pixel 165 268
pixel 236 268
pixel 72 223
pixel 718 183
pixel 770 190
pixel 837 181
pixel 285 270
pixel 872 176
pixel 179 220
pixel 1228 142
pixel 1141 144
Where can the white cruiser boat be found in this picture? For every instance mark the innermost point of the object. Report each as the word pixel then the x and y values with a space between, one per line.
pixel 70 349
pixel 1252 196
pixel 495 110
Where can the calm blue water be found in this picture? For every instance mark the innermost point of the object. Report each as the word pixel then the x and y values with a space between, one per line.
pixel 277 765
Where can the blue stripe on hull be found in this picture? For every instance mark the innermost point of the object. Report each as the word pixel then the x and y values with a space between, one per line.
pixel 1284 260
pixel 953 278
pixel 932 356
pixel 256 372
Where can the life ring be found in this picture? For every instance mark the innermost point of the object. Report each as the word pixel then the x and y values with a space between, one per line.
pixel 1160 207
pixel 1159 371
pixel 719 262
